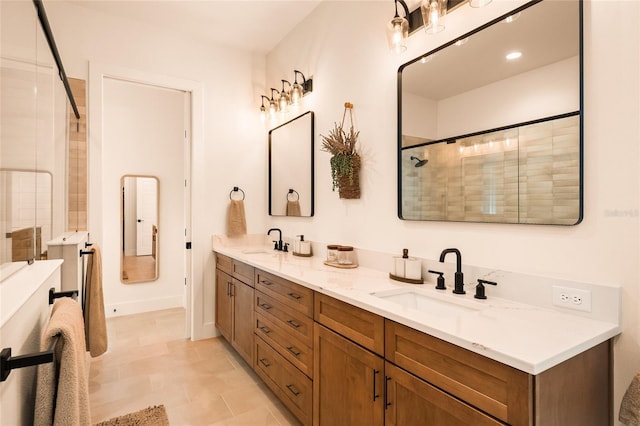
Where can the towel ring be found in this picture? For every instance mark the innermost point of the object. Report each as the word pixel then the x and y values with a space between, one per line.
pixel 236 189
pixel 291 191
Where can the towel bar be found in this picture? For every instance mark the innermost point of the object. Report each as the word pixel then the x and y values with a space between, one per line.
pixel 8 362
pixel 53 295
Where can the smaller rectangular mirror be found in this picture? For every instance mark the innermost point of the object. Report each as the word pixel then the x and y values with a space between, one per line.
pixel 139 229
pixel 291 167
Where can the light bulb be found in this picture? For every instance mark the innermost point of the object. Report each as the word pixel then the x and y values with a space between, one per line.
pixel 296 94
pixel 263 114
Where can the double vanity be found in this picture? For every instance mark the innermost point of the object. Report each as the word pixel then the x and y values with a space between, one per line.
pixel 352 346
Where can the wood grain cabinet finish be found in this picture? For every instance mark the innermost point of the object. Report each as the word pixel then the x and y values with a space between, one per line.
pixel 236 269
pixel 293 295
pixel 234 316
pixel 363 327
pixel 292 387
pixel 410 401
pixel 284 341
pixel 348 385
pixel 575 392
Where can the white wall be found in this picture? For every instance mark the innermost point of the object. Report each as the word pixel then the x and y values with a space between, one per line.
pixel 230 149
pixel 348 57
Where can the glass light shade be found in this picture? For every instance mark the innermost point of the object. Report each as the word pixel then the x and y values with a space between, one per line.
pixel 296 94
pixel 273 107
pixel 263 113
pixel 479 3
pixel 433 12
pixel 397 34
pixel 283 101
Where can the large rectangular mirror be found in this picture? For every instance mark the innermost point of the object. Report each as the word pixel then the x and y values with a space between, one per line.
pixel 291 167
pixel 490 124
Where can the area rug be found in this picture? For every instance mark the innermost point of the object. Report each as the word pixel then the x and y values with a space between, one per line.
pixel 151 416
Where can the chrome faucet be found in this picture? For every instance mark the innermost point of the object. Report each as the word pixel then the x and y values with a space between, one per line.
pixel 278 244
pixel 459 277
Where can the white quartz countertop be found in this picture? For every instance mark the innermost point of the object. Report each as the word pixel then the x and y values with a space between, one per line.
pixel 526 337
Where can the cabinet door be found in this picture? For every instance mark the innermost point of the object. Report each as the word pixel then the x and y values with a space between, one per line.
pixel 348 381
pixel 243 320
pixel 224 304
pixel 411 401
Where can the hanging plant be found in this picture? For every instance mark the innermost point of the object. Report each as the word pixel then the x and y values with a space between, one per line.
pixel 345 160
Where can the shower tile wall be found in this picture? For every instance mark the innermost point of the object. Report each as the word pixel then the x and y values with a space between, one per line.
pixel 528 177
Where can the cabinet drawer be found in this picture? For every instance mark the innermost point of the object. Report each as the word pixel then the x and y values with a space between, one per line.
pixel 224 263
pixel 294 295
pixel 500 390
pixel 296 323
pixel 293 388
pixel 236 269
pixel 363 327
pixel 281 340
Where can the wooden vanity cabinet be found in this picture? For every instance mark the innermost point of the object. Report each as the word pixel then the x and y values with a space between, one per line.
pixel 348 384
pixel 574 392
pixel 234 306
pixel 411 401
pixel 284 341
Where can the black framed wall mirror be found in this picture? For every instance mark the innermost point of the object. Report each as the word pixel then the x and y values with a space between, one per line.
pixel 291 176
pixel 490 124
pixel 139 255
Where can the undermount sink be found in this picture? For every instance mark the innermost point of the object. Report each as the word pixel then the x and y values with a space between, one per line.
pixel 255 251
pixel 415 299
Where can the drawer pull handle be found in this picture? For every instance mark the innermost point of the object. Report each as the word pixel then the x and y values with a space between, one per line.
pixel 265 306
pixel 264 362
pixel 293 390
pixel 265 282
pixel 295 296
pixel 293 323
pixel 375 393
pixel 386 392
pixel 293 350
pixel 265 330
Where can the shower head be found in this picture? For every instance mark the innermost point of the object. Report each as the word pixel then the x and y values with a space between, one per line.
pixel 420 162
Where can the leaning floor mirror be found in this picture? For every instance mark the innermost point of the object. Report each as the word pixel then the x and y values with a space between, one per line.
pixel 490 124
pixel 139 229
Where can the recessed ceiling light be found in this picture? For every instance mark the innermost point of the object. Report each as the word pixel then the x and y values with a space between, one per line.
pixel 513 55
pixel 509 19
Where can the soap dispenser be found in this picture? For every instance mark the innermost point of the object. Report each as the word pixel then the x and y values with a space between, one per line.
pixel 406 269
pixel 302 247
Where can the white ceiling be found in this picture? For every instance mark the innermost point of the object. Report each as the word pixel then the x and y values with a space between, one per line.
pixel 252 25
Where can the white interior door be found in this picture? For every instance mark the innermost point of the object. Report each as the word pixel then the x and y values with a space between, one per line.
pixel 146 207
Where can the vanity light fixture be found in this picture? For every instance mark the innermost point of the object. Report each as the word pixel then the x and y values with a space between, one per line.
pixel 280 100
pixel 398 29
pixel 429 15
pixel 433 12
pixel 263 110
pixel 299 90
pixel 283 101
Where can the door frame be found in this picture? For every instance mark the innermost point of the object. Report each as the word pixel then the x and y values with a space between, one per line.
pixel 196 327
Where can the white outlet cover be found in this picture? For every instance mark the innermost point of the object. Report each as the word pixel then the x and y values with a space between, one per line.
pixel 572 298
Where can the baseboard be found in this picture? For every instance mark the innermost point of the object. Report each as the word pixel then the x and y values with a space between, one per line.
pixel 140 306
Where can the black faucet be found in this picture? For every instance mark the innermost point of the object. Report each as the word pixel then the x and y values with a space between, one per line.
pixel 278 244
pixel 459 277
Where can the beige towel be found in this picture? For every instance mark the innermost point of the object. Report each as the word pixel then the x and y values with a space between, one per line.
pixel 293 208
pixel 95 326
pixel 236 221
pixel 62 392
pixel 630 407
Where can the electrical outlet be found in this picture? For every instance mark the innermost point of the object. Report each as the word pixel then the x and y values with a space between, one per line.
pixel 572 298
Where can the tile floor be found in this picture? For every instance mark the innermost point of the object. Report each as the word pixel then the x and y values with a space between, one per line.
pixel 205 382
